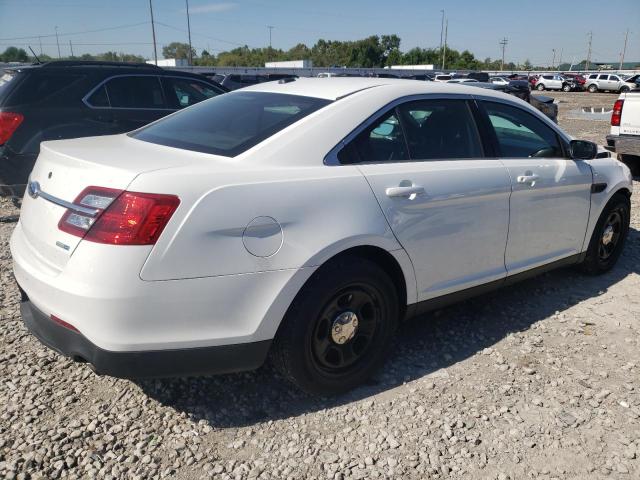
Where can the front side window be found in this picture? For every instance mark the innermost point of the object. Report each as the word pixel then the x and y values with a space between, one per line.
pixel 135 92
pixel 614 78
pixel 440 129
pixel 593 77
pixel 230 124
pixel 187 91
pixel 520 134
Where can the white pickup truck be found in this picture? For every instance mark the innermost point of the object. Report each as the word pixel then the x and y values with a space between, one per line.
pixel 624 138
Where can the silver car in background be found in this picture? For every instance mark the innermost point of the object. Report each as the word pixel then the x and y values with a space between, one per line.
pixel 597 82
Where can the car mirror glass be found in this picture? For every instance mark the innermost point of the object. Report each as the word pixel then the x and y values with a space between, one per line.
pixel 583 150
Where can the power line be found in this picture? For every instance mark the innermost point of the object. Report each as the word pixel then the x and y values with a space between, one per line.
pixel 42 35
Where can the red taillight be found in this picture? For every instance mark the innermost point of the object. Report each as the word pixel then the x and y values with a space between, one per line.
pixel 123 218
pixel 9 122
pixel 616 115
pixel 64 324
pixel 133 219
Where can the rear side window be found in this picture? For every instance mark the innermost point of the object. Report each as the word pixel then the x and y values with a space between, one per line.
pixel 39 86
pixel 99 98
pixel 186 91
pixel 382 141
pixel 603 77
pixel 440 129
pixel 135 92
pixel 230 124
pixel 6 78
pixel 520 134
pixel 593 77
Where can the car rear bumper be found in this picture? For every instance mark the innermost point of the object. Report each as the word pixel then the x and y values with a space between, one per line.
pixel 142 364
pixel 624 144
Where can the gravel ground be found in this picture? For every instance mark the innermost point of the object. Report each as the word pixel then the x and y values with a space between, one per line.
pixel 540 380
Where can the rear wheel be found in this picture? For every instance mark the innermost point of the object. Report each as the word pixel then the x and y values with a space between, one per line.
pixel 592 88
pixel 607 240
pixel 338 330
pixel 566 87
pixel 540 86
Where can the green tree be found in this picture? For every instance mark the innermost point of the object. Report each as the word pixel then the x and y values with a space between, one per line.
pixel 14 54
pixel 177 50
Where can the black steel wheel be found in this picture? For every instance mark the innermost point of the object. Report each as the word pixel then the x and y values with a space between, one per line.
pixel 338 329
pixel 609 235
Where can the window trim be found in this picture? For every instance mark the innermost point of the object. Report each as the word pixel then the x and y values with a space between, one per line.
pixel 331 158
pixel 85 99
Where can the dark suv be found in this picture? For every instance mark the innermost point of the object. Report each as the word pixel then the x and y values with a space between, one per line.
pixel 70 99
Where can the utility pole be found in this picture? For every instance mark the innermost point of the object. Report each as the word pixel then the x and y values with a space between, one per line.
pixel 153 33
pixel 503 42
pixel 189 30
pixel 71 48
pixel 446 34
pixel 624 50
pixel 590 34
pixel 40 41
pixel 560 59
pixel 58 43
pixel 270 27
pixel 553 62
pixel 441 28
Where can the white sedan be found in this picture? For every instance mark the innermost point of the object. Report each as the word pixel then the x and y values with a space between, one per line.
pixel 302 218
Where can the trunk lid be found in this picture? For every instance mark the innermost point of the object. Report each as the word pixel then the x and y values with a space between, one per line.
pixel 65 167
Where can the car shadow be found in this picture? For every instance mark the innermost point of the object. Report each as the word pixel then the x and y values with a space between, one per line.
pixel 423 346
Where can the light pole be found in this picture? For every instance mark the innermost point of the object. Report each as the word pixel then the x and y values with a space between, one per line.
pixel 153 33
pixel 441 28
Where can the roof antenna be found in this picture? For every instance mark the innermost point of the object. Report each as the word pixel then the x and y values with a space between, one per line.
pixel 36 57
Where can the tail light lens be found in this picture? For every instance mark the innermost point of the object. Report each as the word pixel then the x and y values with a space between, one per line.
pixel 124 218
pixel 9 122
pixel 616 115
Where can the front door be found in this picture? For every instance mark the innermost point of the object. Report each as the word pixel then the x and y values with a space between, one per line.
pixel 447 205
pixel 551 194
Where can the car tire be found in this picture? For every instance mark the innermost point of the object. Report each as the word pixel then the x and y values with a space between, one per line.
pixel 540 87
pixel 566 87
pixel 318 347
pixel 609 235
pixel 624 89
pixel 592 88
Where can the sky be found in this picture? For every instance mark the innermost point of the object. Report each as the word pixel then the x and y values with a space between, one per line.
pixel 533 29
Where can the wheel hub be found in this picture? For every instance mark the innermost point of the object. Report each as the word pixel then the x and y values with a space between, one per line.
pixel 607 235
pixel 344 327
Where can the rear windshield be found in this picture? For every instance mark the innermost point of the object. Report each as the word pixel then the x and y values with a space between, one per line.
pixel 231 123
pixel 38 86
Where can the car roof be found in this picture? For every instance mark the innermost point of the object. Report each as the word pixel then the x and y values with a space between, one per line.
pixel 334 88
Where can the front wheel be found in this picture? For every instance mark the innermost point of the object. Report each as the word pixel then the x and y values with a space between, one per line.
pixel 592 88
pixel 339 328
pixel 609 235
pixel 624 89
pixel 540 87
pixel 566 88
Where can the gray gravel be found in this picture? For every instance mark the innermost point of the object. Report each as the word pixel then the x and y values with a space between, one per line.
pixel 540 380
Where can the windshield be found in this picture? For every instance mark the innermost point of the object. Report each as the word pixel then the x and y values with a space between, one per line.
pixel 229 124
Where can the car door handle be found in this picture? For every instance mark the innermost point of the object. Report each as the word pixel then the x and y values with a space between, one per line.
pixel 531 179
pixel 404 191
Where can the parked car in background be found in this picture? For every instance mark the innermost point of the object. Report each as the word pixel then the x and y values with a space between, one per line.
pixel 442 78
pixel 544 104
pixel 555 82
pixel 518 88
pixel 632 82
pixel 499 80
pixel 303 219
pixel 72 99
pixel 462 80
pixel 480 76
pixel 421 76
pixel 533 79
pixel 235 81
pixel 578 78
pixel 624 137
pixel 601 82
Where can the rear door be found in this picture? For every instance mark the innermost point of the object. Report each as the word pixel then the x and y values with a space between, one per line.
pixel 550 202
pixel 136 100
pixel 446 204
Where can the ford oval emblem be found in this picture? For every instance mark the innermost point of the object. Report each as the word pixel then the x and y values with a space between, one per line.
pixel 33 189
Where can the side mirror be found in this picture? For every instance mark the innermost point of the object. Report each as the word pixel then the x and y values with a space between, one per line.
pixel 583 150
